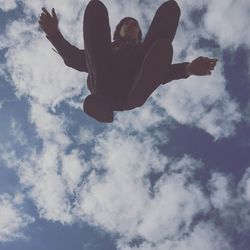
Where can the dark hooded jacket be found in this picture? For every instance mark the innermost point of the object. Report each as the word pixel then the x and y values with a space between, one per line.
pixel 127 58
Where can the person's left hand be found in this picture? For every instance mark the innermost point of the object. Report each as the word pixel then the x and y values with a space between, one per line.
pixel 48 22
pixel 201 66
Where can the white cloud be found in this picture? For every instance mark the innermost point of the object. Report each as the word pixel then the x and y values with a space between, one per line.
pixel 242 211
pixel 223 21
pixel 171 212
pixel 12 219
pixel 201 102
pixel 204 236
pixel 9 156
pixel 73 169
pixel 123 200
pixel 44 78
pixel 52 177
pixel 245 185
pixel 51 174
pixel 7 5
pixel 49 126
pixel 228 20
pixel 40 173
pixel 17 133
pixel 84 136
pixel 221 194
pixel 140 119
pixel 116 200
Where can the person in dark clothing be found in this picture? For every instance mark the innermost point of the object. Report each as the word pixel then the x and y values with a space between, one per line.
pixel 122 74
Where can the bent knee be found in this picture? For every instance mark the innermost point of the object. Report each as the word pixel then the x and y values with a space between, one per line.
pixel 97 5
pixel 172 7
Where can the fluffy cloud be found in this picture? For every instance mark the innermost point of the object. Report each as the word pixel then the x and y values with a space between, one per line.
pixel 43 78
pixel 204 236
pixel 108 199
pixel 222 22
pixel 84 136
pixel 73 170
pixel 12 220
pixel 49 126
pixel 17 133
pixel 123 199
pixel 221 195
pixel 237 19
pixel 51 174
pixel 203 103
pixel 141 119
pixel 7 5
pixel 171 212
pixel 245 185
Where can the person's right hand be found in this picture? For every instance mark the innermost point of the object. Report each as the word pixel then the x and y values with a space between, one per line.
pixel 48 23
pixel 201 66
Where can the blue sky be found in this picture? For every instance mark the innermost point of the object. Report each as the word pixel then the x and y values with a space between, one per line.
pixel 174 174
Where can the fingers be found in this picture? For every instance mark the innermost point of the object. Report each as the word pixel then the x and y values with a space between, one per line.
pixel 209 60
pixel 45 15
pixel 203 66
pixel 54 13
pixel 43 18
pixel 212 63
pixel 46 12
pixel 208 64
pixel 46 20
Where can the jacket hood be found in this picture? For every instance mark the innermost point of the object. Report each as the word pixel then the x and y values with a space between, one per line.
pixel 117 36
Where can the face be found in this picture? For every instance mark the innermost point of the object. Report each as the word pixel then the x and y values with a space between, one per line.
pixel 131 29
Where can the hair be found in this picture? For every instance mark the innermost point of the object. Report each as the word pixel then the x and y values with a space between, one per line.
pixel 117 35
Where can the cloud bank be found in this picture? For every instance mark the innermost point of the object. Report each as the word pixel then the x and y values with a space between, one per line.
pixel 7 5
pixel 12 219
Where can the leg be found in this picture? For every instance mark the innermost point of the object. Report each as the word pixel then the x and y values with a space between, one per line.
pixel 97 43
pixel 164 24
pixel 153 72
pixel 158 52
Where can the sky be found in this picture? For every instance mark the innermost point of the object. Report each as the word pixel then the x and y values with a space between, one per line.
pixel 171 175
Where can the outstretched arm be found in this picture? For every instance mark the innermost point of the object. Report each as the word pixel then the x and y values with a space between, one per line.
pixel 72 56
pixel 201 66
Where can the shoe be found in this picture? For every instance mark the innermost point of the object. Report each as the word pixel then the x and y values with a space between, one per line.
pixel 97 108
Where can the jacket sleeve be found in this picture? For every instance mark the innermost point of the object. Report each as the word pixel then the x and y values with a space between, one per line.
pixel 177 71
pixel 72 56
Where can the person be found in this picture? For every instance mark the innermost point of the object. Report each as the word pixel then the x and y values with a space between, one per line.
pixel 122 74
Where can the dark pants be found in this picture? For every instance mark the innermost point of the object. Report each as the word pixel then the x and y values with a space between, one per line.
pixel 97 43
